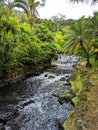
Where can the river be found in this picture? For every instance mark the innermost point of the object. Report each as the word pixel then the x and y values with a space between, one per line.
pixel 32 104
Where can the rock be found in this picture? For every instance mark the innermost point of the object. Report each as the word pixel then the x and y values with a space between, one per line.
pixel 7 114
pixel 7 127
pixel 2 126
pixel 46 75
pixel 60 127
pixel 51 77
pixel 28 102
pixel 2 121
pixel 63 79
pixel 65 98
pixel 23 104
pixel 67 83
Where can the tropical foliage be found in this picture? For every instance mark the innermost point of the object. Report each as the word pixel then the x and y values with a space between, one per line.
pixel 79 37
pixel 22 44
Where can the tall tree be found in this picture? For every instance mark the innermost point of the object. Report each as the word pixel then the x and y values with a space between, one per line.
pixel 7 5
pixel 79 37
pixel 29 6
pixel 95 35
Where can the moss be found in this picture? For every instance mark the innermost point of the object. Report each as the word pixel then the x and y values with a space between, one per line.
pixel 75 100
pixel 65 97
pixel 84 83
pixel 69 123
pixel 76 85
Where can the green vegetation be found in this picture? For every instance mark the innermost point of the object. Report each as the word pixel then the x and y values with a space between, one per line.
pixel 26 40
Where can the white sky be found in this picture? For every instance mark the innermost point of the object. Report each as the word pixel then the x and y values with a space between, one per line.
pixel 70 10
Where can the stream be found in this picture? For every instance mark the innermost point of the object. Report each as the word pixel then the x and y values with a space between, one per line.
pixel 32 104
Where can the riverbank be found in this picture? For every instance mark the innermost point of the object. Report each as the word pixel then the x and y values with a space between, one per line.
pixel 84 84
pixel 21 72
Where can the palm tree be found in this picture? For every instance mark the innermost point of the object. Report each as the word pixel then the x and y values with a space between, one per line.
pixel 6 5
pixel 79 37
pixel 92 1
pixel 95 35
pixel 29 6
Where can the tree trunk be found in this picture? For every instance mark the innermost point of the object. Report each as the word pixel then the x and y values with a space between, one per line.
pixel 88 64
pixel 96 56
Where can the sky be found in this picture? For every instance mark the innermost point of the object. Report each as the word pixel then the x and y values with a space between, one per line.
pixel 70 10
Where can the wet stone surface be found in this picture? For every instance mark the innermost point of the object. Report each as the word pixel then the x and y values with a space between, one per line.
pixel 33 103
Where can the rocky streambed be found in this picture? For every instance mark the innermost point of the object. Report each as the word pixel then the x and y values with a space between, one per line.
pixel 37 103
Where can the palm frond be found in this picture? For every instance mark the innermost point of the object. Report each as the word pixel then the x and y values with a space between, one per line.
pixel 22 2
pixel 21 5
pixel 86 1
pixel 35 13
pixel 42 3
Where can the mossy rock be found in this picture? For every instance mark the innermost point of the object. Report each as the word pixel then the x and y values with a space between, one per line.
pixel 69 123
pixel 75 100
pixel 66 97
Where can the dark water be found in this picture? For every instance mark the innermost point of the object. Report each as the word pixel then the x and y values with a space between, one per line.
pixel 32 104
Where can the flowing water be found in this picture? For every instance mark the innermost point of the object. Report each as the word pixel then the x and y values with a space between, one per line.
pixel 32 104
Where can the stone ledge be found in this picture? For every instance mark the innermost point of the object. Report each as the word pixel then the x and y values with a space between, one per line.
pixel 20 73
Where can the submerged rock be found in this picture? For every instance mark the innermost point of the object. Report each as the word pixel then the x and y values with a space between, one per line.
pixel 7 114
